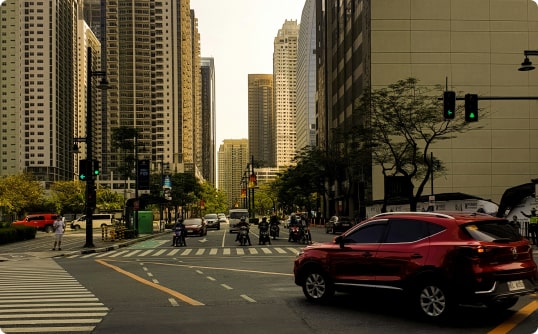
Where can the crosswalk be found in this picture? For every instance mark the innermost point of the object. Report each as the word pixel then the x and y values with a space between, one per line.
pixel 183 251
pixel 39 296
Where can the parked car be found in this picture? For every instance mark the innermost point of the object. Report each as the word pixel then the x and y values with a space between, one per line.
pixel 438 260
pixel 195 226
pixel 212 221
pixel 41 221
pixel 339 224
pixel 99 220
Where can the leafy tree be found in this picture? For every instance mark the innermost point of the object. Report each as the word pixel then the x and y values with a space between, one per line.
pixel 215 200
pixel 405 120
pixel 19 192
pixel 108 200
pixel 68 196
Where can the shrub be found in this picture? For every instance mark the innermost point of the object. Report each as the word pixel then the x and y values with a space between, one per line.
pixel 16 233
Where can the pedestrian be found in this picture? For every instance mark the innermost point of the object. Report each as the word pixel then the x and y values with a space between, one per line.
pixel 516 225
pixel 59 229
pixel 533 226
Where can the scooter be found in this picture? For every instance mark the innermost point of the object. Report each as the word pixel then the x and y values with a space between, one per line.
pixel 306 237
pixel 294 234
pixel 274 231
pixel 179 238
pixel 243 236
pixel 264 237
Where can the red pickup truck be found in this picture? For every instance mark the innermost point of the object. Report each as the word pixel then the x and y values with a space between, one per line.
pixel 41 221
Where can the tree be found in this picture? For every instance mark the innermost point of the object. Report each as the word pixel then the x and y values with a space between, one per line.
pixel 19 192
pixel 68 196
pixel 108 200
pixel 405 120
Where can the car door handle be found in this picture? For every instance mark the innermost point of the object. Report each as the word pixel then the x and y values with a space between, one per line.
pixel 367 254
pixel 416 256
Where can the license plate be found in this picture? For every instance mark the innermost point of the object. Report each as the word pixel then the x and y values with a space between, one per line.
pixel 516 285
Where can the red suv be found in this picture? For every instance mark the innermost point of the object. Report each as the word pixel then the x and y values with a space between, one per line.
pixel 438 259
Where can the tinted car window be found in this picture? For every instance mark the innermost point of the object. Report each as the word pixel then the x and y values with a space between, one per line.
pixel 369 234
pixel 405 230
pixel 193 222
pixel 210 216
pixel 238 215
pixel 494 230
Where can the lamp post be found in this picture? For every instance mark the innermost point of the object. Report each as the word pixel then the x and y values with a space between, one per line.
pixel 90 183
pixel 137 201
pixel 526 65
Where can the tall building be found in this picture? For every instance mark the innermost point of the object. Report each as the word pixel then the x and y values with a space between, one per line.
pixel 38 91
pixel 261 119
pixel 306 78
pixel 153 66
pixel 465 46
pixel 285 87
pixel 232 162
pixel 209 120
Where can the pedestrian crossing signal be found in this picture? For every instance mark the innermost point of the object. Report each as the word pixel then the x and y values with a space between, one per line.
pixel 449 104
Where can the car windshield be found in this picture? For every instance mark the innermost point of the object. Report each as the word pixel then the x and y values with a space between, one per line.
pixel 493 231
pixel 238 215
pixel 193 222
pixel 210 216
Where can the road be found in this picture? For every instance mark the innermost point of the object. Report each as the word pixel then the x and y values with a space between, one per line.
pixel 210 286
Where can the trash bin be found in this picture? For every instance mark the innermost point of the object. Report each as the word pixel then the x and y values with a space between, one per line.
pixel 145 222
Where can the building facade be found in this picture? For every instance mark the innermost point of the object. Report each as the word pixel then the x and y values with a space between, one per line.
pixel 232 163
pixel 285 87
pixel 306 78
pixel 209 120
pixel 39 86
pixel 261 119
pixel 464 46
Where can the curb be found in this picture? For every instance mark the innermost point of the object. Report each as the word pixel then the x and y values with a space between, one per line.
pixel 120 245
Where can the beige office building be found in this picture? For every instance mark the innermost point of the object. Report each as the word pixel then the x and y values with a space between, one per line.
pixel 232 163
pixel 477 46
pixel 261 119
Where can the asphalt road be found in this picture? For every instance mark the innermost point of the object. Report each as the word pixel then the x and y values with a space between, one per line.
pixel 211 286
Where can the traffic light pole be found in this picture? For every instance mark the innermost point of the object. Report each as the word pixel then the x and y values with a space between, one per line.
pixel 90 182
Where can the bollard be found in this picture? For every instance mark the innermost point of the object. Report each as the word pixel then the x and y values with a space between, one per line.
pixel 112 234
pixel 104 233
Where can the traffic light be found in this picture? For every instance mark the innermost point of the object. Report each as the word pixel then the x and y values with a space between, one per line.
pixel 449 104
pixel 83 170
pixel 91 198
pixel 471 107
pixel 95 169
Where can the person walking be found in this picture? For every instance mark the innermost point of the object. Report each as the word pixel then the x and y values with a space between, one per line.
pixel 59 229
pixel 533 226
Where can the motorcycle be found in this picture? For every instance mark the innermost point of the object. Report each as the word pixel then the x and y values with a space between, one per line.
pixel 294 234
pixel 243 236
pixel 274 231
pixel 179 238
pixel 264 237
pixel 306 237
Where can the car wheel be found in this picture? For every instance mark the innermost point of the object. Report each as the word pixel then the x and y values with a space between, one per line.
pixel 49 229
pixel 431 301
pixel 317 286
pixel 503 304
pixel 76 227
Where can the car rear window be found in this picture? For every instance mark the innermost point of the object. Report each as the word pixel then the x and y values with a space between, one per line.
pixel 493 231
pixel 238 215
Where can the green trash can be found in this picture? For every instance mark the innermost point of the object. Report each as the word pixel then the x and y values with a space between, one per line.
pixel 145 222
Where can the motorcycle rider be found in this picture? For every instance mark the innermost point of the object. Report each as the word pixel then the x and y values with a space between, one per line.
pixel 273 221
pixel 243 223
pixel 179 233
pixel 293 223
pixel 263 226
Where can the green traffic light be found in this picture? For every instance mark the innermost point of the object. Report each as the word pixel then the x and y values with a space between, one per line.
pixel 82 177
pixel 96 172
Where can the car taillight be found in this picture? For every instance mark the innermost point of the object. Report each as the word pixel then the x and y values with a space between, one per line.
pixel 474 251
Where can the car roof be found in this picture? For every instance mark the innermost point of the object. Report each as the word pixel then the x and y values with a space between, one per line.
pixel 459 217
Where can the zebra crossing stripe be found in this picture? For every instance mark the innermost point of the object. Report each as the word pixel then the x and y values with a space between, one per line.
pixel 240 251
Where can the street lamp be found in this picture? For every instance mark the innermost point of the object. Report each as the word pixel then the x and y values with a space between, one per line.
pixel 526 65
pixel 90 183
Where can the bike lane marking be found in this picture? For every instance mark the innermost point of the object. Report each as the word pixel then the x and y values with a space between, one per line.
pixel 164 289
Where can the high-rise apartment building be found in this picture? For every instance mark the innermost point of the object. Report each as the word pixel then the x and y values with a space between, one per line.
pixel 285 87
pixel 306 78
pixel 261 119
pixel 232 163
pixel 38 50
pixel 209 120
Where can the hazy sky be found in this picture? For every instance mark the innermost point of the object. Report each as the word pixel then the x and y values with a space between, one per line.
pixel 239 35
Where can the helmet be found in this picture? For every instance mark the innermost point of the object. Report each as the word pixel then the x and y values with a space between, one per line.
pixel 243 218
pixel 179 220
pixel 264 218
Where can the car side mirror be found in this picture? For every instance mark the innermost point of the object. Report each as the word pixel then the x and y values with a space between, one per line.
pixel 339 240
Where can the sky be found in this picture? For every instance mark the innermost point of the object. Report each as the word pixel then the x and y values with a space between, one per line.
pixel 239 35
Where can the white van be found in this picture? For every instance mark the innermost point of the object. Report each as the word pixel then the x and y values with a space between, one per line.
pixel 235 216
pixel 98 220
